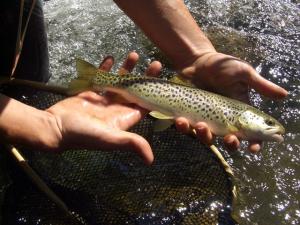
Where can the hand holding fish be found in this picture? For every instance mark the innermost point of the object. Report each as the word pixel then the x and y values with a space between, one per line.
pixel 87 120
pixel 174 31
pixel 90 121
pixel 228 76
pixel 172 28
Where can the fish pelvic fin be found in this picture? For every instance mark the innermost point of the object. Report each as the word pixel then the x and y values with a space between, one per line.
pixel 86 71
pixel 232 128
pixel 163 122
pixel 161 116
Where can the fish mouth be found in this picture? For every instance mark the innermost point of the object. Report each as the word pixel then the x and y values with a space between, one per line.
pixel 276 134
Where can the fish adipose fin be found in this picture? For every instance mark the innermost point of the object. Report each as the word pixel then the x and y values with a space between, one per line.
pixel 163 122
pixel 86 72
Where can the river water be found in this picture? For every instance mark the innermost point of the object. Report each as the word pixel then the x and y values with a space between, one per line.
pixel 263 32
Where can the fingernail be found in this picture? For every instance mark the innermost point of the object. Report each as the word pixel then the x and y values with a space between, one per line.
pixel 201 130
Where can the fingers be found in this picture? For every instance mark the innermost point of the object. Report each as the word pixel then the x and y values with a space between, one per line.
pixel 137 143
pixel 203 132
pixel 231 142
pixel 128 116
pixel 201 129
pixel 182 124
pixel 265 87
pixel 129 63
pixel 254 147
pixel 127 66
pixel 106 64
pixel 154 69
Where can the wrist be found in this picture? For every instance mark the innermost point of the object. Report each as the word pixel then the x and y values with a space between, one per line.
pixel 50 137
pixel 40 133
pixel 194 54
pixel 197 64
pixel 27 126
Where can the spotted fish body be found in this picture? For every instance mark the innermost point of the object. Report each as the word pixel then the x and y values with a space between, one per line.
pixel 223 115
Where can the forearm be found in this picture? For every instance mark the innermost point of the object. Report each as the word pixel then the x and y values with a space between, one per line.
pixel 25 125
pixel 171 27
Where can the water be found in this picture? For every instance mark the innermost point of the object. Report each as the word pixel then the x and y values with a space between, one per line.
pixel 263 32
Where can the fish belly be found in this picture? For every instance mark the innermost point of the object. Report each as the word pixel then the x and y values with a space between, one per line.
pixel 176 101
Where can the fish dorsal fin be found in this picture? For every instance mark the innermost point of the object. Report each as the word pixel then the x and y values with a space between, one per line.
pixel 85 70
pixel 178 79
pixel 161 116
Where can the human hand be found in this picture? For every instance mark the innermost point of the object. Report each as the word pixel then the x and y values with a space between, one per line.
pixel 231 77
pixel 91 121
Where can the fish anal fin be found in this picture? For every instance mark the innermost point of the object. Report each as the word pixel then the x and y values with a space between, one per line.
pixel 161 116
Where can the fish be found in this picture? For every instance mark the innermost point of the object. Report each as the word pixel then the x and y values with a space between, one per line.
pixel 169 99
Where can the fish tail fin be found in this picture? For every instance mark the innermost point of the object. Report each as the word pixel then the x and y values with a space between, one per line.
pixel 86 72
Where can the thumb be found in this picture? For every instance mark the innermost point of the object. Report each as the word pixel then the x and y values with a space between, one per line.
pixel 137 143
pixel 265 87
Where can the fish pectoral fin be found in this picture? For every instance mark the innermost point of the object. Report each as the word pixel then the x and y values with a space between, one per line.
pixel 161 125
pixel 161 116
pixel 85 70
pixel 178 79
pixel 232 128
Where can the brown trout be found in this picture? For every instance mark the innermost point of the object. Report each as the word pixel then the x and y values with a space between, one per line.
pixel 168 100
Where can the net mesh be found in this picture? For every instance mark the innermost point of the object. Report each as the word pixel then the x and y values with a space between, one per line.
pixel 187 184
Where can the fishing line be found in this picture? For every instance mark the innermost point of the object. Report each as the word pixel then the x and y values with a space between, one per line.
pixel 20 35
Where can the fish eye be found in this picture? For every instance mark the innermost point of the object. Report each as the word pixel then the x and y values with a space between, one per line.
pixel 269 122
